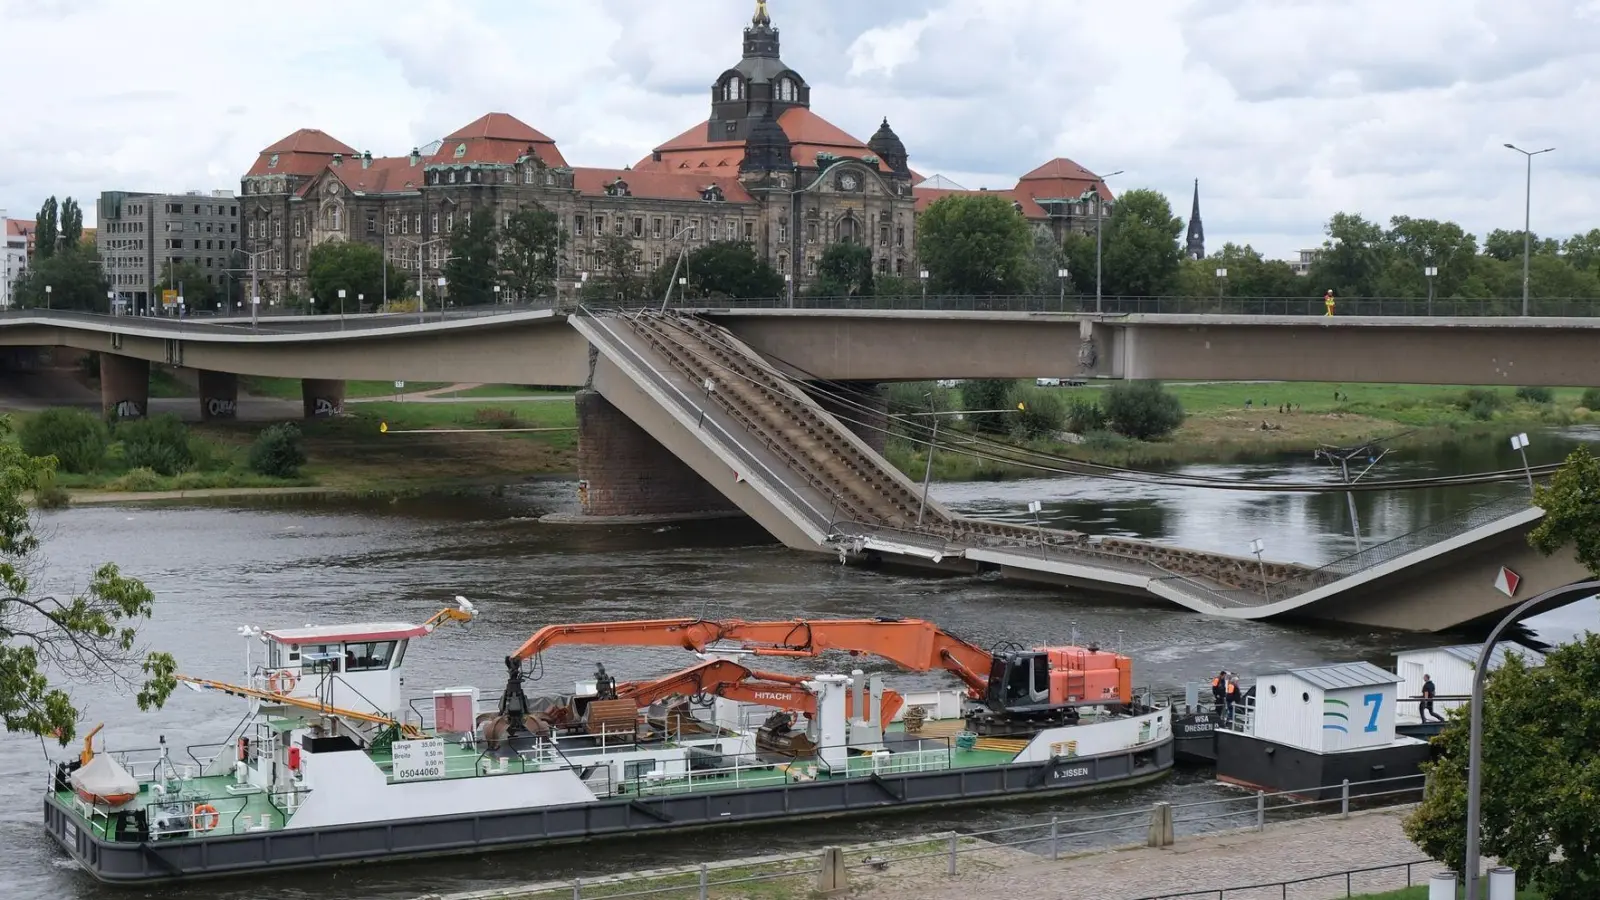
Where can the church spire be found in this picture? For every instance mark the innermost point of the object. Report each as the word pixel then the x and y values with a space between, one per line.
pixel 761 17
pixel 1196 247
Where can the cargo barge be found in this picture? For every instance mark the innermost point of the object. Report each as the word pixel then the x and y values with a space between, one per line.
pixel 331 766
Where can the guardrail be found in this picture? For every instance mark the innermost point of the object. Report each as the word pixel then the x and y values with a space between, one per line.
pixel 1159 824
pixel 1332 880
pixel 1419 307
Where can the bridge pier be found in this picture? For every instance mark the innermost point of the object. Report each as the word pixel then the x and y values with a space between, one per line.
pixel 219 395
pixel 626 474
pixel 322 397
pixel 124 386
pixel 862 407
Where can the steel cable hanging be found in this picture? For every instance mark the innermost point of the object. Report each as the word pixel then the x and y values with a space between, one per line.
pixel 1023 457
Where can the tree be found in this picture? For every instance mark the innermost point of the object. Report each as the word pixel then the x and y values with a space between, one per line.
pixel 616 276
pixel 1249 275
pixel 1582 251
pixel 1571 504
pixel 84 640
pixel 1140 252
pixel 845 270
pixel 45 231
pixel 71 226
pixel 1142 410
pixel 1352 257
pixel 1046 258
pixel 357 269
pixel 470 271
pixel 975 244
pixel 986 405
pixel 722 269
pixel 1540 728
pixel 73 276
pixel 530 251
pixel 191 283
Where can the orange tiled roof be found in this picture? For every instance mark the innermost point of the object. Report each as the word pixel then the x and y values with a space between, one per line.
pixel 20 227
pixel 496 138
pixel 385 175
pixel 1058 179
pixel 811 134
pixel 305 152
pixel 659 185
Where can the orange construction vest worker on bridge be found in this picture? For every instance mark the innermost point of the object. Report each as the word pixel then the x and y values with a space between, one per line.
pixel 1327 302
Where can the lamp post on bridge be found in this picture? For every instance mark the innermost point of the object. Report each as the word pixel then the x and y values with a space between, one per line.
pixel 1099 221
pixel 1430 272
pixel 1475 734
pixel 1527 219
pixel 1222 281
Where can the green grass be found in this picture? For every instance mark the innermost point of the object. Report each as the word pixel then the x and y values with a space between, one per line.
pixel 512 390
pixel 164 384
pixel 1421 893
pixel 289 388
pixel 509 414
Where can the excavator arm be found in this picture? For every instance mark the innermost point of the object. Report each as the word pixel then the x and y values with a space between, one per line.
pixel 909 643
pixel 726 678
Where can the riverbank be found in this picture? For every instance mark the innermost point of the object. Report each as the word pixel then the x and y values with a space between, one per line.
pixel 1258 422
pixel 1299 850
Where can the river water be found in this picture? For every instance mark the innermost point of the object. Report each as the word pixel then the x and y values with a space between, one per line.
pixel 215 568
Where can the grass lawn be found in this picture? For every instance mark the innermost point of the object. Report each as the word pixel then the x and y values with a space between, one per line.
pixel 1220 428
pixel 289 388
pixel 512 390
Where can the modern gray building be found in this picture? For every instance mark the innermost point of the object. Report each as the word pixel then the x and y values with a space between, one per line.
pixel 140 234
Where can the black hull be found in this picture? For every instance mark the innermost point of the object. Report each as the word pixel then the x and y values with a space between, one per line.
pixel 1193 737
pixel 1262 765
pixel 133 863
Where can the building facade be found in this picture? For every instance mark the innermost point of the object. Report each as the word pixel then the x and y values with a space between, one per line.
pixel 14 256
pixel 763 167
pixel 140 234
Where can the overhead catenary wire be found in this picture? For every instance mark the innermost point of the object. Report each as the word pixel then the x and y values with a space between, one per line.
pixel 988 449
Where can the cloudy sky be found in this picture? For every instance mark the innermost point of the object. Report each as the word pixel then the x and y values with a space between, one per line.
pixel 1286 110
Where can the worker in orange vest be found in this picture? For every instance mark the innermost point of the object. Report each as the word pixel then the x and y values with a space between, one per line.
pixel 1219 690
pixel 1232 696
pixel 1327 302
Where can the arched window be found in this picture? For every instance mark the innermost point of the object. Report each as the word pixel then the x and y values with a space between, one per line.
pixel 787 91
pixel 733 89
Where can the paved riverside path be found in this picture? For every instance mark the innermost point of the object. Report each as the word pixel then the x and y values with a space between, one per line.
pixel 1290 850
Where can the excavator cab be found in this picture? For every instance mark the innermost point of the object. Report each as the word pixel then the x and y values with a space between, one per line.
pixel 1018 681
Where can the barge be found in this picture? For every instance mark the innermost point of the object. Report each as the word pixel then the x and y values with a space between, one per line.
pixel 331 766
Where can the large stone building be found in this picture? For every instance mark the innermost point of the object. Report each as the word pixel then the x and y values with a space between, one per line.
pixel 14 254
pixel 763 168
pixel 140 234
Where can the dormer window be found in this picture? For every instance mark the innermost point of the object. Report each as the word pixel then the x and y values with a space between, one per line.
pixel 272 162
pixel 618 188
pixel 461 151
pixel 788 92
pixel 712 194
pixel 733 88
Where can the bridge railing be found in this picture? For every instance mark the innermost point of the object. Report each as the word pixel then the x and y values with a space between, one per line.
pixel 1418 307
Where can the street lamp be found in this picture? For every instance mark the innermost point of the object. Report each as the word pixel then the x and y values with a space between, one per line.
pixel 788 288
pixel 924 276
pixel 1430 272
pixel 1061 275
pixel 1258 548
pixel 341 307
pixel 1222 280
pixel 1099 221
pixel 111 301
pixel 497 295
pixel 1475 739
pixel 1527 219
pixel 442 283
pixel 47 290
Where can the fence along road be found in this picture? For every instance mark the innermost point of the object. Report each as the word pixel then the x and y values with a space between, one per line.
pixel 1220 843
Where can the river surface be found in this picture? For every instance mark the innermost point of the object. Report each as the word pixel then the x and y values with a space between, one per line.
pixel 215 568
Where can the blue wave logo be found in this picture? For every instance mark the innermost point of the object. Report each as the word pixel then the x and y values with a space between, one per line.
pixel 1335 715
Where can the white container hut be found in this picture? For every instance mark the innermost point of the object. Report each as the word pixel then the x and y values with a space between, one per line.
pixel 1451 668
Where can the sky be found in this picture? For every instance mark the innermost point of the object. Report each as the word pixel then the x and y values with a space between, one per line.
pixel 1285 110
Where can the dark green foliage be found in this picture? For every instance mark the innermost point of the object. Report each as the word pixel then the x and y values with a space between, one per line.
pixel 77 438
pixel 530 252
pixel 975 244
pixel 1142 410
pixel 357 269
pixel 985 402
pixel 1041 413
pixel 471 269
pixel 722 269
pixel 910 402
pixel 1085 416
pixel 1481 403
pixel 1571 504
pixel 1591 398
pixel 1536 394
pixel 1539 778
pixel 277 452
pixel 159 443
pixel 845 270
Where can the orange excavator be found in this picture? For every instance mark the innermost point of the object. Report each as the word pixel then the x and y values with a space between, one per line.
pixel 1010 691
pixel 726 678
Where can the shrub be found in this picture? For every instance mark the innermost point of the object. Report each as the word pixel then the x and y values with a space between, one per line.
pixel 1536 394
pixel 1480 398
pixel 47 494
pixel 1085 416
pixel 495 417
pixel 1041 414
pixel 1591 399
pixel 1142 410
pixel 136 480
pixel 1104 440
pixel 158 443
pixel 989 399
pixel 908 404
pixel 277 452
pixel 77 438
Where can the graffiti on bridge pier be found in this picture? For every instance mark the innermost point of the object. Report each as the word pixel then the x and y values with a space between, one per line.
pixel 128 409
pixel 221 408
pixel 322 407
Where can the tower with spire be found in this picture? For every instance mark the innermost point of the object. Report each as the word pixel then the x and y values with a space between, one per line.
pixel 1196 248
pixel 759 86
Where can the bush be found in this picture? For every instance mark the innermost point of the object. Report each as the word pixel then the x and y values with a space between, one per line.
pixel 1480 398
pixel 1536 394
pixel 1104 440
pixel 47 494
pixel 1042 413
pixel 137 480
pixel 1142 410
pixel 1591 399
pixel 909 402
pixel 1085 416
pixel 158 443
pixel 989 398
pixel 277 452
pixel 77 438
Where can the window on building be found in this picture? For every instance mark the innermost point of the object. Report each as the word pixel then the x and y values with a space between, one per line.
pixel 655 227
pixel 655 260
pixel 391 224
pixel 577 226
pixel 599 225
pixel 811 265
pixel 900 236
pixel 372 223
pixel 638 226
pixel 450 221
pixel 336 219
pixel 883 265
pixel 783 263
pixel 749 230
pixel 297 226
pixel 811 232
pixel 694 229
pixel 433 224
pixel 416 223
pixel 297 259
pixel 900 267
pixel 783 232
pixel 250 230
pixel 617 227
pixel 677 227
pixel 883 235
pixel 713 223
pixel 277 228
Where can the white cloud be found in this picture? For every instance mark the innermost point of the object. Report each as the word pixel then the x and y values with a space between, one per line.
pixel 1286 110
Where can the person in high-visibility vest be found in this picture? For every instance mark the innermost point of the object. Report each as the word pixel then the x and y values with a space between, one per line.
pixel 1218 689
pixel 1232 696
pixel 1327 302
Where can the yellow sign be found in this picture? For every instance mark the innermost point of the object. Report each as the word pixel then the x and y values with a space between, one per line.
pixel 169 298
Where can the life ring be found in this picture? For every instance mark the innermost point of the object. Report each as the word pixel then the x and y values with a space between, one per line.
pixel 281 682
pixel 205 817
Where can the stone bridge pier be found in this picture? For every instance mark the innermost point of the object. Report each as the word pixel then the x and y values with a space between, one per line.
pixel 322 397
pixel 861 406
pixel 124 386
pixel 219 396
pixel 625 474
